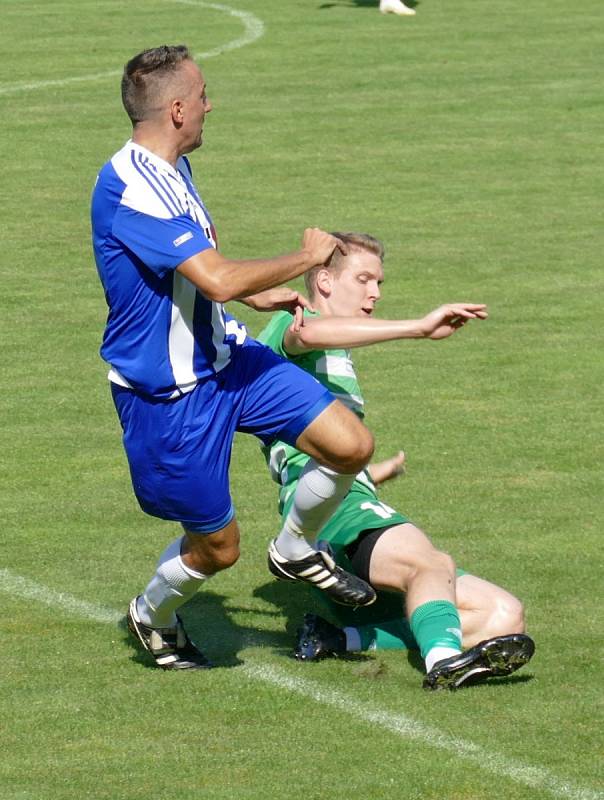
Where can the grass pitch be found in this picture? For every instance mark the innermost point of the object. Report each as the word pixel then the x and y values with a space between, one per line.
pixel 467 138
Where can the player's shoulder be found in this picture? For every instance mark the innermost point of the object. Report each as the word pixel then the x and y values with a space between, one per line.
pixel 110 172
pixel 116 173
pixel 107 192
pixel 139 178
pixel 272 334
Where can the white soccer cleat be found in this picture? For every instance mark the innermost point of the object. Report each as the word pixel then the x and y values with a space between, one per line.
pixel 170 647
pixel 396 7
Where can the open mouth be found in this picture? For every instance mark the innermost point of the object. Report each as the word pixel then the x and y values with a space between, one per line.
pixel 367 311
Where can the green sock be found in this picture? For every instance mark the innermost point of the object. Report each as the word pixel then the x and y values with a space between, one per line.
pixel 436 624
pixel 389 635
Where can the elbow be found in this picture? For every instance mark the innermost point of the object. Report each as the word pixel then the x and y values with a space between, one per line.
pixel 217 291
pixel 303 339
pixel 212 280
pixel 306 338
pixel 221 295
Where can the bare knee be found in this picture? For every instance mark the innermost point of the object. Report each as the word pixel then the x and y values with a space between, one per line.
pixel 339 439
pixel 506 616
pixel 224 557
pixel 211 553
pixel 357 454
pixel 446 563
pixel 404 559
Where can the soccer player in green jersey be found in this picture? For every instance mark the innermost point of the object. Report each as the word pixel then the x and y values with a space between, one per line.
pixel 466 628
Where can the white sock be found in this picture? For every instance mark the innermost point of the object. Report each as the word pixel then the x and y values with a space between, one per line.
pixel 172 585
pixel 437 654
pixel 319 492
pixel 353 640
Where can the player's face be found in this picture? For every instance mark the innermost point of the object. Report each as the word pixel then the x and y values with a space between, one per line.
pixel 195 107
pixel 356 288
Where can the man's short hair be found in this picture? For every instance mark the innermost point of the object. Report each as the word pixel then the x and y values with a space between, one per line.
pixel 145 77
pixel 355 241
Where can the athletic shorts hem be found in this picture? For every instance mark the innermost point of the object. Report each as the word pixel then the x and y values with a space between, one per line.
pixel 296 426
pixel 208 527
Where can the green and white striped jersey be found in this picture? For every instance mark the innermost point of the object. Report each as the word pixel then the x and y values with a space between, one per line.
pixel 333 368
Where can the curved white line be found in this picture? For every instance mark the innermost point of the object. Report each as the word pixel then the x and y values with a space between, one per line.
pixel 253 27
pixel 253 30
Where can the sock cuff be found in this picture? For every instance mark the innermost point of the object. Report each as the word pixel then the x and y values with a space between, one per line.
pixel 436 624
pixel 354 641
pixel 171 560
pixel 432 608
pixel 198 576
pixel 171 551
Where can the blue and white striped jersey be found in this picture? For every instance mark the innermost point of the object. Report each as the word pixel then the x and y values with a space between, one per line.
pixel 162 335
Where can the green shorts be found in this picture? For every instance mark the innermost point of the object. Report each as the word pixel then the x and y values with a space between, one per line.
pixel 360 511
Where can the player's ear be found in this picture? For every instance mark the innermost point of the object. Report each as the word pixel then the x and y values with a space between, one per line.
pixel 177 113
pixel 324 281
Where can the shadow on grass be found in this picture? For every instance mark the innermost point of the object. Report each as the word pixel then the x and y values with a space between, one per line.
pixel 360 4
pixel 209 620
pixel 293 602
pixel 509 680
pixel 415 660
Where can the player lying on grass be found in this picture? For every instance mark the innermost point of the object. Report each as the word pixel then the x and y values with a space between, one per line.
pixel 437 609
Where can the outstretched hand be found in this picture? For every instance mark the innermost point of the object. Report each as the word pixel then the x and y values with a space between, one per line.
pixel 383 471
pixel 282 298
pixel 445 320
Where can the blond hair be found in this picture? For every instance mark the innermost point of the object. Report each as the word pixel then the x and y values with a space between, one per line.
pixel 337 260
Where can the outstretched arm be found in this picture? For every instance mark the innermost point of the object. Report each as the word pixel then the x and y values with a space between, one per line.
pixel 383 471
pixel 326 332
pixel 222 279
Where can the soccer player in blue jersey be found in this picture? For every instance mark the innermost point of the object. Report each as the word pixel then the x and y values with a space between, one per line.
pixel 423 601
pixel 184 374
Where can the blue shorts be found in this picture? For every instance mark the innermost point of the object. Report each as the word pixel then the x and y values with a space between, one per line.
pixel 179 451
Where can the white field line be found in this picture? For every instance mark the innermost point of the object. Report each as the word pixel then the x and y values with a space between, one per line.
pixel 408 728
pixel 400 725
pixel 23 587
pixel 253 30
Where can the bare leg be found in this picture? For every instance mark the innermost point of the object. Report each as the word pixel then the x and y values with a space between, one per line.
pixel 182 568
pixel 339 445
pixel 405 560
pixel 209 553
pixel 338 439
pixel 487 610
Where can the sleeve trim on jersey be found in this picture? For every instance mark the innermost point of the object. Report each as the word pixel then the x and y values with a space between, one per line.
pixel 162 245
pixel 144 168
pixel 185 161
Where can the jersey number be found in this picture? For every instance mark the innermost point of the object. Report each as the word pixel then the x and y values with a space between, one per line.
pixel 379 508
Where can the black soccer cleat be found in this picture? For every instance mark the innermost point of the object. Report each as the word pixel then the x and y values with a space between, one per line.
pixel 318 639
pixel 491 658
pixel 170 647
pixel 320 570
